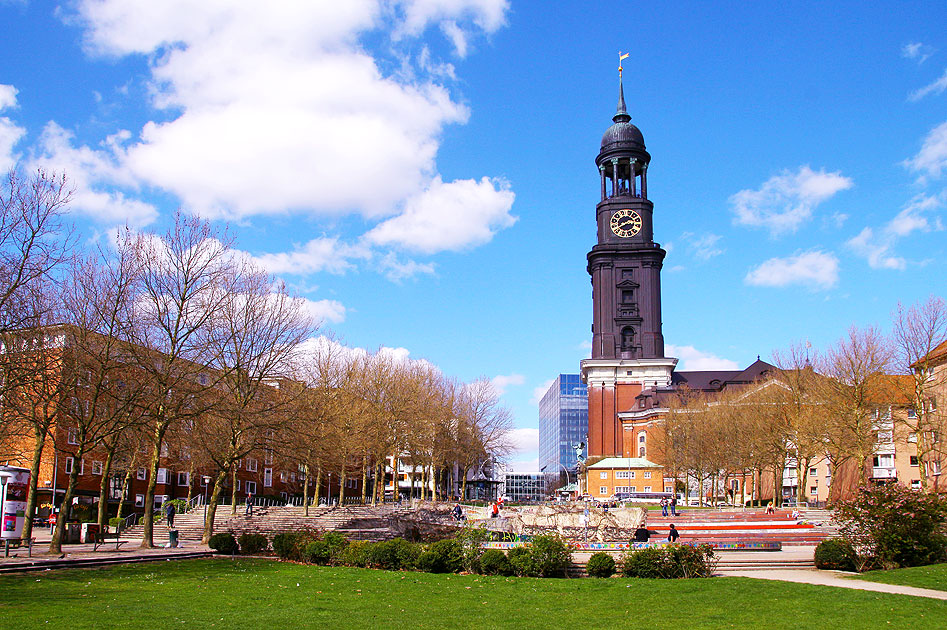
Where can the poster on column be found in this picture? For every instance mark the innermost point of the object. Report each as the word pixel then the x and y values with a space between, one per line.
pixel 14 501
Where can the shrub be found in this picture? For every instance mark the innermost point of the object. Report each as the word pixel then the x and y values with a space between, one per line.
pixel 644 563
pixel 835 553
pixel 549 556
pixel 292 545
pixel 521 561
pixel 672 561
pixel 115 522
pixel 444 556
pixel 601 565
pixel 316 552
pixel 355 554
pixel 392 554
pixel 472 539
pixel 495 562
pixel 224 542
pixel 253 543
pixel 335 545
pixel 892 526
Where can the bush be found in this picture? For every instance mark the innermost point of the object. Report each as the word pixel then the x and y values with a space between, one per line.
pixel 253 543
pixel 224 542
pixel 354 554
pixel 335 544
pixel 495 562
pixel 891 526
pixel 392 555
pixel 835 553
pixel 549 556
pixel 521 561
pixel 601 565
pixel 670 562
pixel 644 563
pixel 115 522
pixel 472 539
pixel 444 556
pixel 316 552
pixel 292 545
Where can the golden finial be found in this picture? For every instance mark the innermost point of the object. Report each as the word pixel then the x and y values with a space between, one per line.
pixel 621 57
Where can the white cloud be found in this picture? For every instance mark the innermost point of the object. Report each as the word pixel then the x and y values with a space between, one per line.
pixel 703 247
pixel 693 359
pixel 936 87
pixel 813 269
pixel 524 440
pixel 931 160
pixel 877 246
pixel 319 254
pixel 786 201
pixel 540 390
pixel 396 269
pixel 325 310
pixel 917 51
pixel 96 175
pixel 502 382
pixel 449 217
pixel 279 108
pixel 10 132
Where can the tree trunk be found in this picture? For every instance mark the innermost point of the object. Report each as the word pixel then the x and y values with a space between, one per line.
pixel 364 480
pixel 125 482
pixel 147 539
pixel 306 489
pixel 55 545
pixel 190 482
pixel 233 489
pixel 318 488
pixel 212 507
pixel 38 443
pixel 463 483
pixel 104 487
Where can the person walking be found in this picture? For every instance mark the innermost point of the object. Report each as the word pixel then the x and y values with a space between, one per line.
pixel 169 512
pixel 673 505
pixel 673 534
pixel 249 511
pixel 664 506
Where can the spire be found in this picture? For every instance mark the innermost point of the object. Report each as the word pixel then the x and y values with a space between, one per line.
pixel 622 114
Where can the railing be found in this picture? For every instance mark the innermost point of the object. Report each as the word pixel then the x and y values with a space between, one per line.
pixel 128 522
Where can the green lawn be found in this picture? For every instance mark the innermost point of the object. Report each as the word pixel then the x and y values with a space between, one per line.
pixel 933 576
pixel 266 594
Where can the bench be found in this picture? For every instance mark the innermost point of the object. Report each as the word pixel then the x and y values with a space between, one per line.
pixel 16 543
pixel 104 537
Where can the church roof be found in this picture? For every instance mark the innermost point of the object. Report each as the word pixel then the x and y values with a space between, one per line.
pixel 716 380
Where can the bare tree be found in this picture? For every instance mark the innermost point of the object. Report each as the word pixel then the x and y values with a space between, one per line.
pixel 183 284
pixel 918 331
pixel 851 369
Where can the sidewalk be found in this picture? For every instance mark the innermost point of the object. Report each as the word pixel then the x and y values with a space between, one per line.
pixel 83 554
pixel 833 578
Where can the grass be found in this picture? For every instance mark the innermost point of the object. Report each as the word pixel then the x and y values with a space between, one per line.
pixel 261 593
pixel 932 576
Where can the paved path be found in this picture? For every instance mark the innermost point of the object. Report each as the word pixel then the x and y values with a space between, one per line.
pixel 834 578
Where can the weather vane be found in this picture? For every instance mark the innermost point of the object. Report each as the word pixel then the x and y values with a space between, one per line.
pixel 621 57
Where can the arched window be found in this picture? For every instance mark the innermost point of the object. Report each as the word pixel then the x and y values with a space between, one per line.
pixel 627 338
pixel 641 451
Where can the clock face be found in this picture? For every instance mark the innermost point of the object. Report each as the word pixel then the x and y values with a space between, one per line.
pixel 626 223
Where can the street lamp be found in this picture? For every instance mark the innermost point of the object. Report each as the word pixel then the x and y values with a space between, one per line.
pixel 206 480
pixel 566 471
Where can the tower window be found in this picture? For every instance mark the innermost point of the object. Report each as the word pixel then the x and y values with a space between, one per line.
pixel 627 296
pixel 627 338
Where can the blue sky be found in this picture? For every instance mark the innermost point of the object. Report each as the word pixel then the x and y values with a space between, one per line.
pixel 422 170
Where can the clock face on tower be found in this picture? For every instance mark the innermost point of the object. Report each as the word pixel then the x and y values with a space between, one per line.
pixel 626 223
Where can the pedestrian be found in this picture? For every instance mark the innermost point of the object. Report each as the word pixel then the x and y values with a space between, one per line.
pixel 673 534
pixel 495 510
pixel 674 505
pixel 458 512
pixel 169 513
pixel 642 534
pixel 249 511
pixel 664 506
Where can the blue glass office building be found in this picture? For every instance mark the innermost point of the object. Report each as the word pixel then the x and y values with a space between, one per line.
pixel 563 422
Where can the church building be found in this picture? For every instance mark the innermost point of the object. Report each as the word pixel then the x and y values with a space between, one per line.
pixel 628 370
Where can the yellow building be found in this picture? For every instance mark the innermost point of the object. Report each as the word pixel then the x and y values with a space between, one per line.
pixel 612 475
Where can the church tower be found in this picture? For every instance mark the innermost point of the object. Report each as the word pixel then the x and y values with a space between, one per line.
pixel 625 266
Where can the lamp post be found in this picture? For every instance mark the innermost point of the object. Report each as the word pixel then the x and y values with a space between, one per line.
pixel 566 471
pixel 206 481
